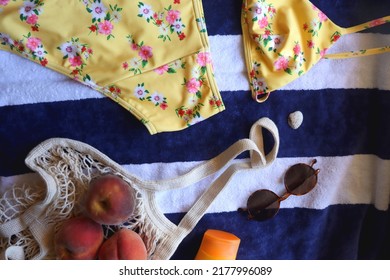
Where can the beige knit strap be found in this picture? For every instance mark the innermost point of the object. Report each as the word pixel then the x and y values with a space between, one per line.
pixel 254 144
pixel 258 161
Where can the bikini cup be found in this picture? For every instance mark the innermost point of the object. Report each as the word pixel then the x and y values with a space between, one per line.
pixel 284 39
pixel 67 166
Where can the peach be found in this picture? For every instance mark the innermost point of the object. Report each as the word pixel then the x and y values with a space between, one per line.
pixel 125 244
pixel 78 238
pixel 109 200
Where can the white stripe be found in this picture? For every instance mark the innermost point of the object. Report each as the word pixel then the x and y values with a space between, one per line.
pixel 25 82
pixel 358 179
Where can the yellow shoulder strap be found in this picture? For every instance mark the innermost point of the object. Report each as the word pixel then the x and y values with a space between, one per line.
pixel 365 52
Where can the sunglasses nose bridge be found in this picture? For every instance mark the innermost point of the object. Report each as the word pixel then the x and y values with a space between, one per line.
pixel 284 196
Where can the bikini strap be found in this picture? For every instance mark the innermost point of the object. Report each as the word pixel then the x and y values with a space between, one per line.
pixel 365 52
pixel 359 53
pixel 367 25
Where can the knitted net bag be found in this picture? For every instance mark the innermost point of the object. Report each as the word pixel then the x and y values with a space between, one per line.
pixel 31 215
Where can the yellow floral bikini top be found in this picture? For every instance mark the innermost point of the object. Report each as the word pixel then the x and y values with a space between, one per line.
pixel 284 39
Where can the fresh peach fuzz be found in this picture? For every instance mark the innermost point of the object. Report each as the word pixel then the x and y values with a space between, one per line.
pixel 78 238
pixel 125 244
pixel 109 200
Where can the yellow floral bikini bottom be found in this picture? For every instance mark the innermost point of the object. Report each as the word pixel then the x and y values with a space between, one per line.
pixel 152 57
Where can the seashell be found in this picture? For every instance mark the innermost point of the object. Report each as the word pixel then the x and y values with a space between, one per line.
pixel 295 119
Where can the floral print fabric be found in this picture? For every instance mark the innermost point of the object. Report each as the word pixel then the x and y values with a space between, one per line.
pixel 279 49
pixel 138 53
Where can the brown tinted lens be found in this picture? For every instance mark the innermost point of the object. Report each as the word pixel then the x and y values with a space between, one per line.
pixel 300 179
pixel 262 205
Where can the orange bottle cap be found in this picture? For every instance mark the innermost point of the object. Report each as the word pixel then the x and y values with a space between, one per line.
pixel 218 245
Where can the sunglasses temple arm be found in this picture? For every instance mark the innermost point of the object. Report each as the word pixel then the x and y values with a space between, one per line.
pixel 245 210
pixel 314 161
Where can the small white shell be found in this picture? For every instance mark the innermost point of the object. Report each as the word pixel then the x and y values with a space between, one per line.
pixel 295 119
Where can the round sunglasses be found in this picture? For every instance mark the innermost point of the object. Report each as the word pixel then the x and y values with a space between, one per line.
pixel 264 204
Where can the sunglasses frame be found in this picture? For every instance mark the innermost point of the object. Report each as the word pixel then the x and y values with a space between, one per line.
pixel 286 194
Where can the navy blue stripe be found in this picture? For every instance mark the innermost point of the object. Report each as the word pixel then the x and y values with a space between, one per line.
pixel 337 232
pixel 110 128
pixel 223 16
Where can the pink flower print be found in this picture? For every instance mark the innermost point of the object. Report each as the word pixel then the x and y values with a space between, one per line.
pixel 75 61
pixel 323 52
pixel 297 49
pixel 33 43
pixel 134 47
pixel 376 22
pixel 203 59
pixel 162 69
pixel 125 65
pixel 32 20
pixel 4 2
pixel 145 52
pixel 105 27
pixel 322 16
pixel 193 85
pixel 172 16
pixel 263 22
pixel 310 44
pixel 281 63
